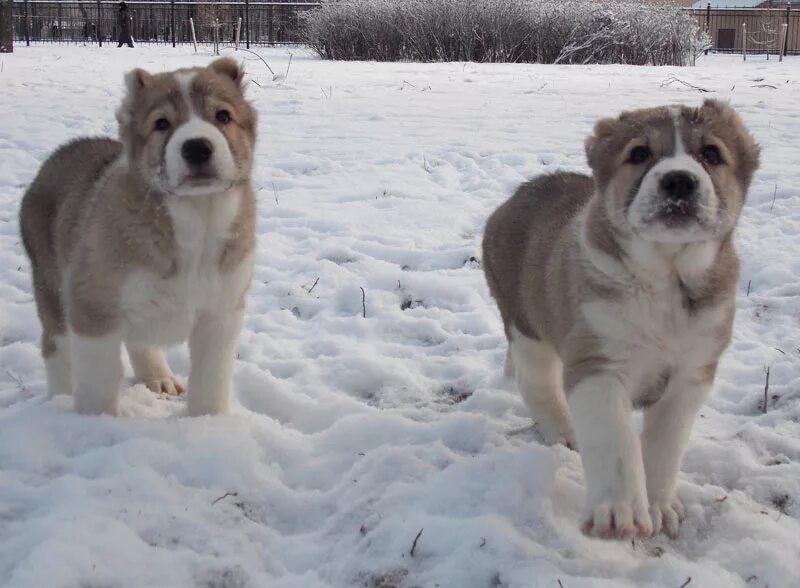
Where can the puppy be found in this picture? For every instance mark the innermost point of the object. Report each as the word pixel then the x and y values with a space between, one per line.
pixel 617 292
pixel 147 240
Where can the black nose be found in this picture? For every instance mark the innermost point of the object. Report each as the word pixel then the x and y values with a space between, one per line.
pixel 679 184
pixel 197 151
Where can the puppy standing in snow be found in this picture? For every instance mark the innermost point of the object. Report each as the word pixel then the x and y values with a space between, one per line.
pixel 147 240
pixel 617 292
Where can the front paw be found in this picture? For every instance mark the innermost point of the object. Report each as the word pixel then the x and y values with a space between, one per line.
pixel 165 385
pixel 667 515
pixel 621 514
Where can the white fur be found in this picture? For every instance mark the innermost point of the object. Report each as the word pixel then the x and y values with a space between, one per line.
pixel 212 346
pixel 197 303
pixel 667 425
pixel 178 173
pixel 96 371
pixel 612 458
pixel 538 376
pixel 150 367
pixel 57 368
pixel 162 310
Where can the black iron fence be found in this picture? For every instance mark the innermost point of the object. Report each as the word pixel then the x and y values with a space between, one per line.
pixel 758 30
pixel 57 21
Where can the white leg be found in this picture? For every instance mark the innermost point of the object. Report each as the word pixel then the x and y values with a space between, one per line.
pixel 150 368
pixel 508 368
pixel 212 346
pixel 538 374
pixel 96 373
pixel 667 426
pixel 616 500
pixel 56 365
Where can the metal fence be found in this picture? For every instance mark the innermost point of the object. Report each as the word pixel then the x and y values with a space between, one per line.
pixel 56 21
pixel 761 31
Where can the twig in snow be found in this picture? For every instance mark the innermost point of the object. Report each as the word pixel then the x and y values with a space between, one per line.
pixel 774 195
pixel 687 582
pixel 559 583
pixel 766 392
pixel 286 75
pixel 264 61
pixel 257 84
pixel 275 192
pixel 765 86
pixel 414 545
pixel 407 83
pixel 224 496
pixel 673 79
pixel 313 286
pixel 781 350
pixel 748 287
pixel 364 307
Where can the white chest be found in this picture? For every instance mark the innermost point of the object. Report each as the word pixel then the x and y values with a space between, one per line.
pixel 162 310
pixel 648 333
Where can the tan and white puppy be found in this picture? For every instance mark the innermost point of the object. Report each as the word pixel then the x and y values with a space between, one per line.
pixel 617 292
pixel 148 240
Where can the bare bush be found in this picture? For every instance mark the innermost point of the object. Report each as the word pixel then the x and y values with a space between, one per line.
pixel 543 31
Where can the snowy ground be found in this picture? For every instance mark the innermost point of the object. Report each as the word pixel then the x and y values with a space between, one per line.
pixel 350 435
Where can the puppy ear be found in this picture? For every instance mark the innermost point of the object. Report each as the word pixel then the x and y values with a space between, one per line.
pixel 226 66
pixel 596 143
pixel 135 82
pixel 732 129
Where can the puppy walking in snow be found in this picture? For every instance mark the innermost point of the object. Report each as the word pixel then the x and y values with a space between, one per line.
pixel 617 292
pixel 147 241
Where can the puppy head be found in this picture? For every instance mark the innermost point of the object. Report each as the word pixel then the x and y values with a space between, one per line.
pixel 673 174
pixel 189 132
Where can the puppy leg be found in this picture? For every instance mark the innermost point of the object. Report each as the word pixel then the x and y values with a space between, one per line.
pixel 538 374
pixel 667 426
pixel 96 373
pixel 55 349
pixel 212 346
pixel 150 368
pixel 616 499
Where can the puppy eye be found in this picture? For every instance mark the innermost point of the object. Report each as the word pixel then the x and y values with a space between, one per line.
pixel 223 116
pixel 639 154
pixel 162 124
pixel 712 155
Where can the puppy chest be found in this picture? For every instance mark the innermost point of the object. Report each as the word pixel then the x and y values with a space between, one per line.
pixel 163 310
pixel 653 331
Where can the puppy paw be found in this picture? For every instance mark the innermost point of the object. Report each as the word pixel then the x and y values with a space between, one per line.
pixel 165 385
pixel 619 519
pixel 667 516
pixel 554 434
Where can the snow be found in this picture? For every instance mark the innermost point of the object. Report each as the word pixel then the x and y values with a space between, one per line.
pixel 350 434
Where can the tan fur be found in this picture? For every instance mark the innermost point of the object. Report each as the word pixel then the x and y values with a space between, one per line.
pixel 98 211
pixel 567 267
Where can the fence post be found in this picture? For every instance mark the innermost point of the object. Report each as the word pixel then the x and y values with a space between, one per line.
pixel 784 33
pixel 788 12
pixel 216 36
pixel 6 27
pixel 97 28
pixel 27 26
pixel 247 23
pixel 744 41
pixel 172 20
pixel 708 23
pixel 238 33
pixel 194 37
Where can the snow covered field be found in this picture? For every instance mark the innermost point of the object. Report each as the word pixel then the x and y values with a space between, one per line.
pixel 352 435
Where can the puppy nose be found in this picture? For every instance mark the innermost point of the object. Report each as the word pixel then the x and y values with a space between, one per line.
pixel 197 151
pixel 679 184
